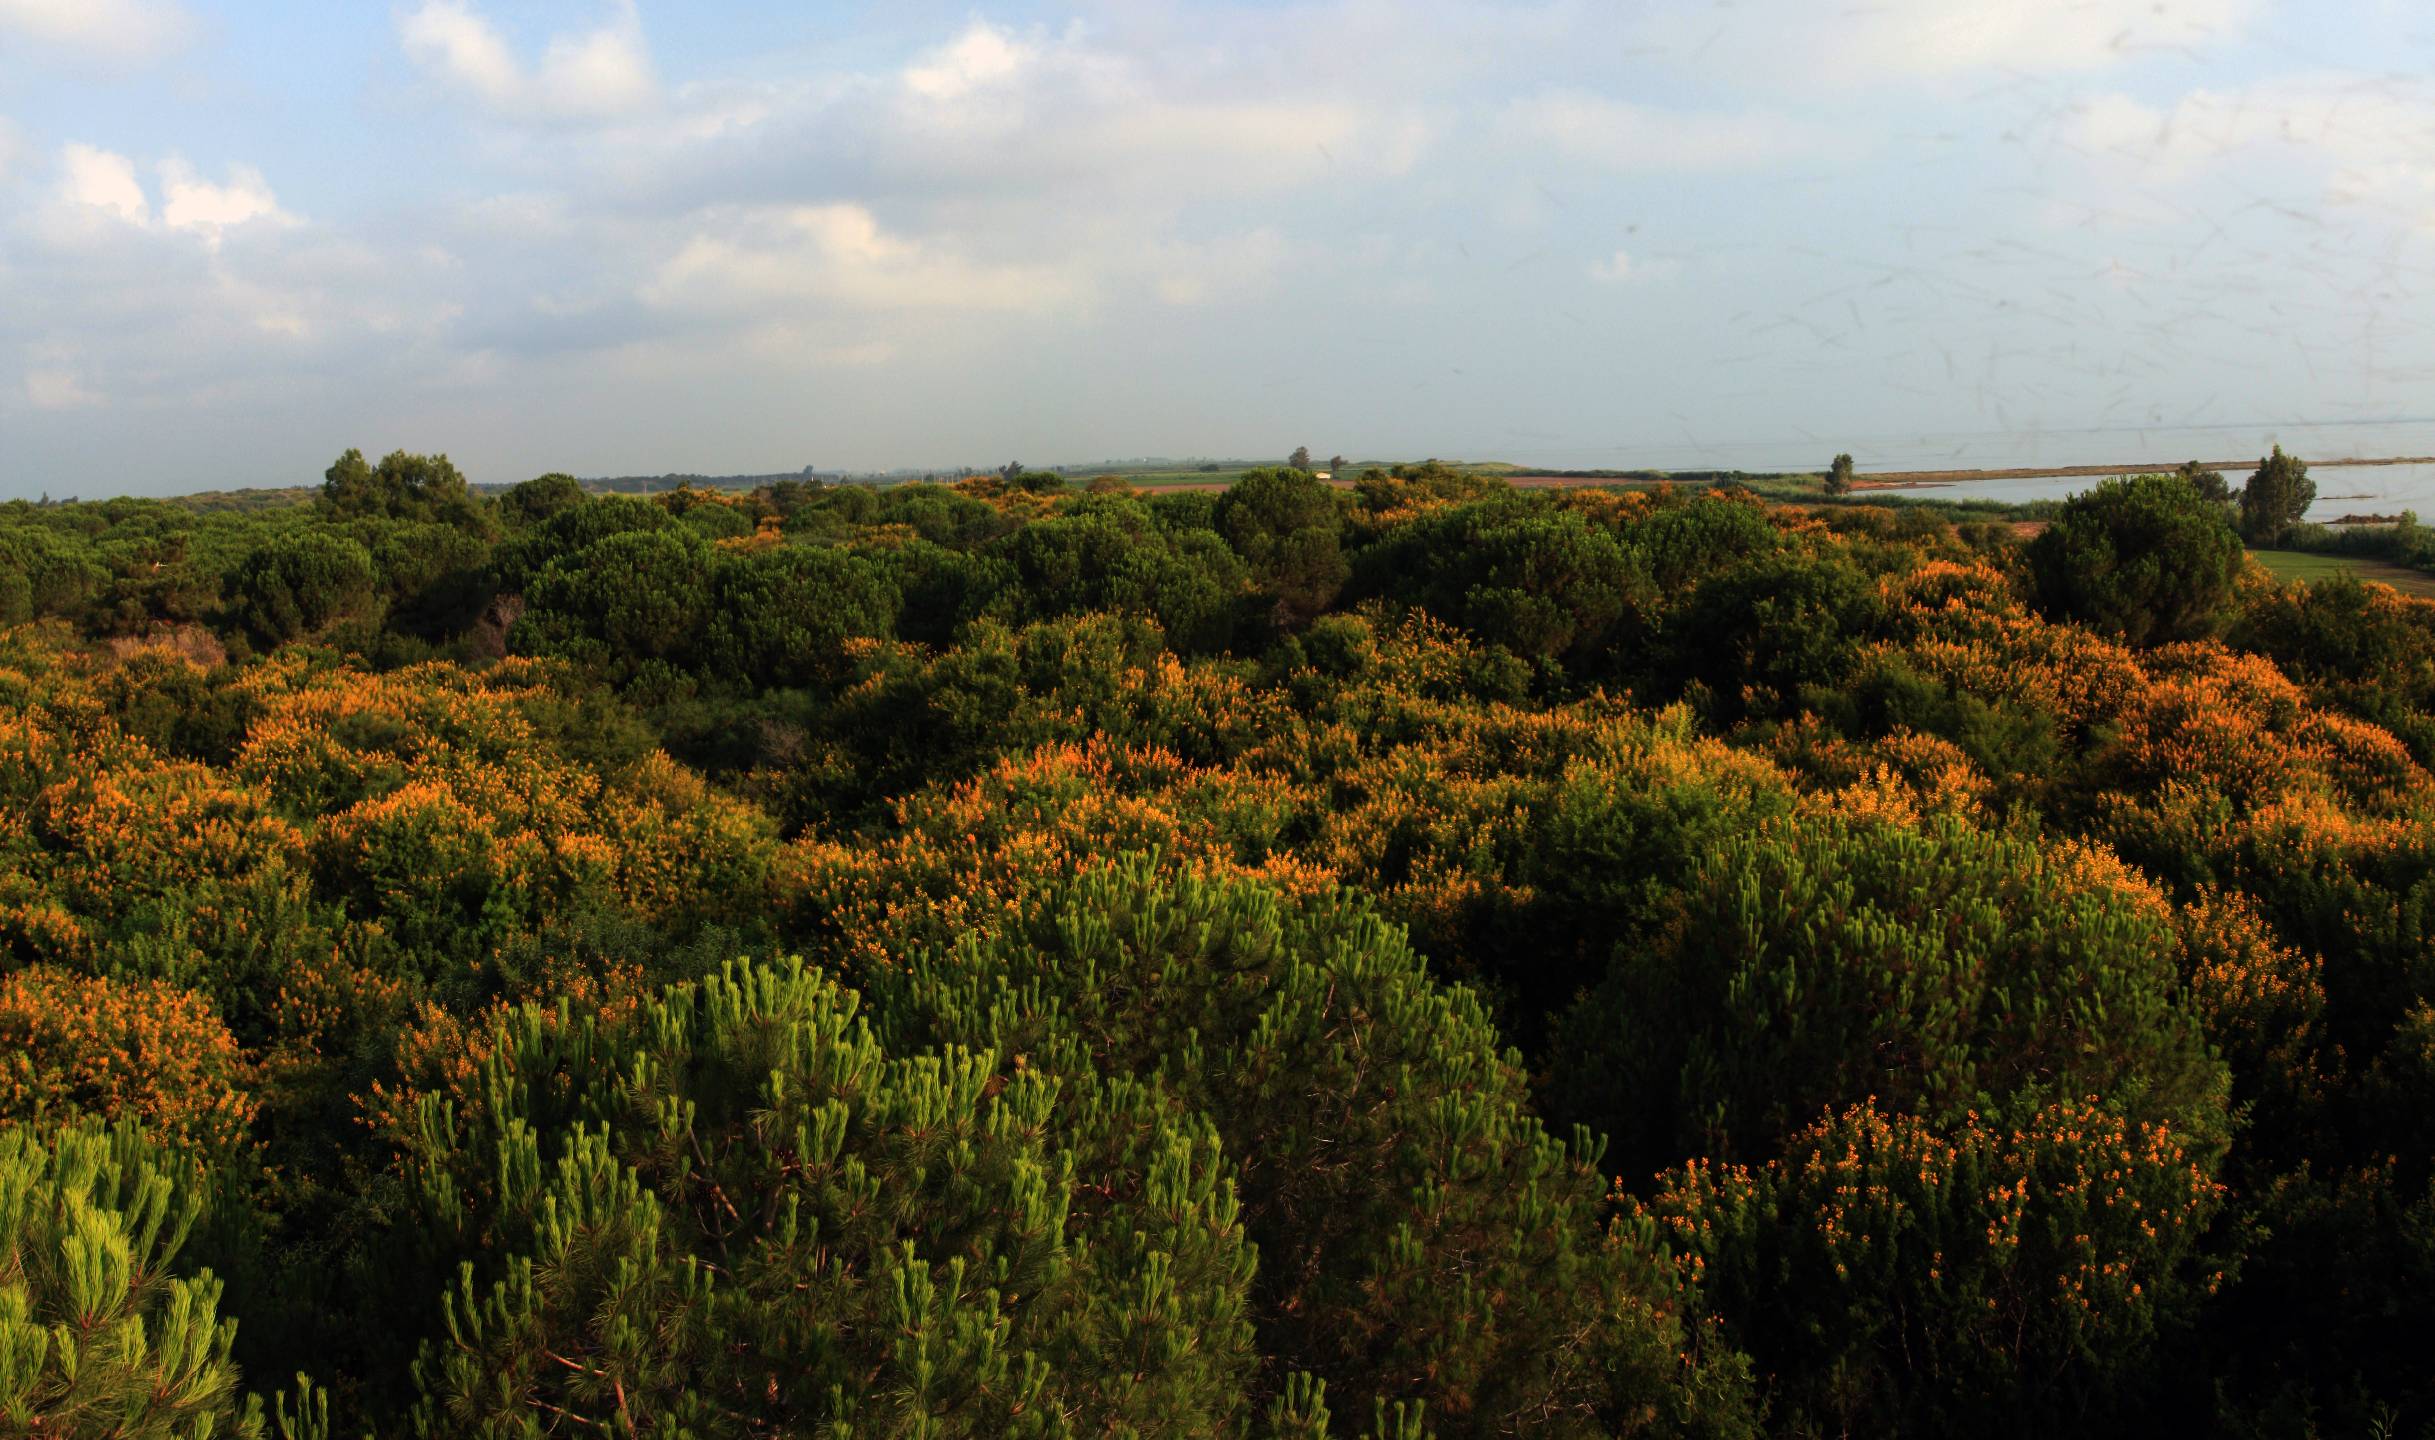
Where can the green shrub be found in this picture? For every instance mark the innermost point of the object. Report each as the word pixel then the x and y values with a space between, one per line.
pixel 299 581
pixel 1755 634
pixel 1288 527
pixel 1940 970
pixel 1890 1278
pixel 1543 582
pixel 402 487
pixel 539 498
pixel 628 598
pixel 16 592
pixel 783 617
pixel 1686 540
pixel 2147 558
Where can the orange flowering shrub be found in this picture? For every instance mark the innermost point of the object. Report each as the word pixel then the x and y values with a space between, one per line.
pixel 72 1045
pixel 422 863
pixel 1952 597
pixel 1904 775
pixel 2061 670
pixel 1490 830
pixel 444 816
pixel 426 824
pixel 2262 1003
pixel 326 1002
pixel 2250 732
pixel 148 829
pixel 683 850
pixel 961 860
pixel 1887 1275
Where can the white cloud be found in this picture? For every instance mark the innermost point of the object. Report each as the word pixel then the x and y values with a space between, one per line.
pixel 2120 123
pixel 448 37
pixel 982 56
pixel 1625 268
pixel 2369 142
pixel 1807 47
pixel 589 75
pixel 9 145
pixel 94 183
pixel 739 264
pixel 191 203
pixel 93 179
pixel 993 110
pixel 143 317
pixel 58 390
pixel 1621 136
pixel 135 286
pixel 605 72
pixel 106 29
pixel 1946 37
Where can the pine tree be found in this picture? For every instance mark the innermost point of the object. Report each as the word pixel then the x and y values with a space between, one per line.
pixel 2278 494
pixel 99 1335
pixel 1423 1240
pixel 734 1214
pixel 2147 558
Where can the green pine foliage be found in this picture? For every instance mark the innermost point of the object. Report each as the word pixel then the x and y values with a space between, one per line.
pixel 1547 585
pixel 1945 971
pixel 300 581
pixel 101 1333
pixel 1424 1239
pixel 2149 558
pixel 1288 527
pixel 2279 492
pixel 734 1213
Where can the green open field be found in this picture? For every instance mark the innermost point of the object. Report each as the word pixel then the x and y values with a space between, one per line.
pixel 2301 565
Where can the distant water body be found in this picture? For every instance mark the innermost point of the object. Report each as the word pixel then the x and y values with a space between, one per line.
pixel 2381 489
pixel 2341 490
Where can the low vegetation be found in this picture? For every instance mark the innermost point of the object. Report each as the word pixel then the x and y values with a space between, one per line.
pixel 1020 958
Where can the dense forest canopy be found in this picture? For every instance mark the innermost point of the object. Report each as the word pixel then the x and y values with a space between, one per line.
pixel 1012 958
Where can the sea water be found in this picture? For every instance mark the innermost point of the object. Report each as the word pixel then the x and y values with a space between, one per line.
pixel 2341 490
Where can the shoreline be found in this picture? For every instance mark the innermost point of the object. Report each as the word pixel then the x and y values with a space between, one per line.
pixel 2232 470
pixel 1916 479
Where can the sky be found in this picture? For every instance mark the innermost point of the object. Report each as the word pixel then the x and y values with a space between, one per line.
pixel 633 237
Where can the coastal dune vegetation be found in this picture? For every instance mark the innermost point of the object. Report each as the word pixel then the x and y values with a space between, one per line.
pixel 1017 958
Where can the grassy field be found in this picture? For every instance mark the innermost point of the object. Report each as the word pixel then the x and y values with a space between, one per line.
pixel 2301 565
